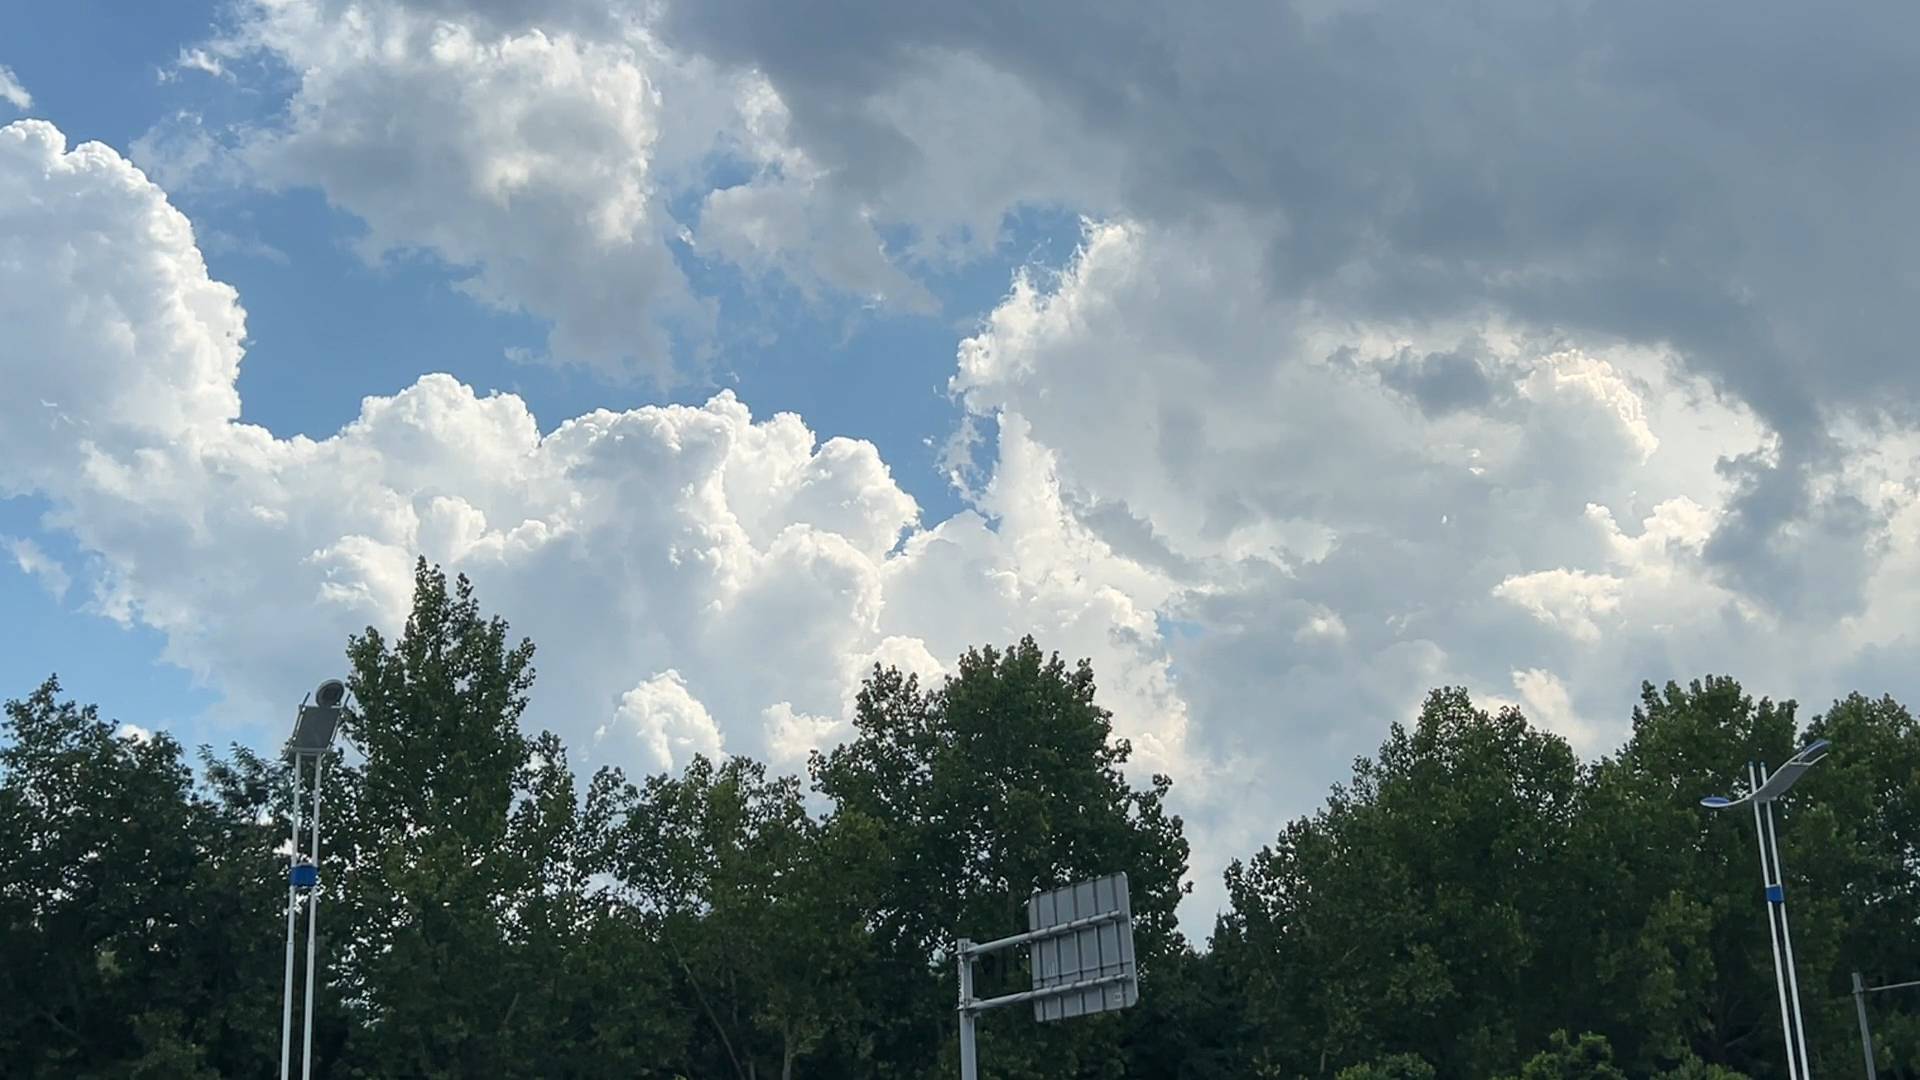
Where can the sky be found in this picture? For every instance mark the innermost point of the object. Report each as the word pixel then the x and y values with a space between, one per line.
pixel 1285 359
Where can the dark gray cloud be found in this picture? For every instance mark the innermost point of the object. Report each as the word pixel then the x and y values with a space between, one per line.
pixel 1440 382
pixel 1729 180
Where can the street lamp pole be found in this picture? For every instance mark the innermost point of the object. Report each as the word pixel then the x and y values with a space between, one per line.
pixel 1786 934
pixel 1763 791
pixel 293 909
pixel 1776 895
pixel 313 919
pixel 313 731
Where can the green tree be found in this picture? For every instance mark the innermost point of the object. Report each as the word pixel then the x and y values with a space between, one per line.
pixel 1852 832
pixel 1692 1068
pixel 592 993
pixel 1393 1067
pixel 965 798
pixel 1423 911
pixel 122 889
pixel 729 871
pixel 1676 961
pixel 1589 1057
pixel 470 936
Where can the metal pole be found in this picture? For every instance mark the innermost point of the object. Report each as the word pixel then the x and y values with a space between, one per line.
pixel 969 1064
pixel 1786 938
pixel 1866 1037
pixel 313 916
pixel 1773 935
pixel 293 901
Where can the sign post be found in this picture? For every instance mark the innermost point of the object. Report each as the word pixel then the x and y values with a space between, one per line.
pixel 1080 940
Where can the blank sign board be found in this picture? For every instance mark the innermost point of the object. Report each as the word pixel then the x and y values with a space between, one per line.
pixel 1100 950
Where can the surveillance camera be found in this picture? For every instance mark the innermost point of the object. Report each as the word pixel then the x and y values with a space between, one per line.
pixel 331 694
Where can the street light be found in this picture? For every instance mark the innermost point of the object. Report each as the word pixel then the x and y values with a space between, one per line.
pixel 313 730
pixel 1763 791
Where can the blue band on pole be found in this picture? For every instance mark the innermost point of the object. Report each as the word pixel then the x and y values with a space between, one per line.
pixel 306 877
pixel 1777 894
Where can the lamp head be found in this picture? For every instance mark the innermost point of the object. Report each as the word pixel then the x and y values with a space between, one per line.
pixel 314 725
pixel 1780 781
pixel 330 694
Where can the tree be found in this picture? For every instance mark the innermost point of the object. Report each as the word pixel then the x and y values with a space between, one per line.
pixel 1853 862
pixel 462 879
pixel 1423 911
pixel 1474 894
pixel 968 797
pixel 1677 963
pixel 730 874
pixel 120 888
pixel 1393 1067
pixel 1587 1058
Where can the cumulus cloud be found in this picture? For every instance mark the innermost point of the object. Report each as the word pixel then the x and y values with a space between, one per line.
pixel 1540 351
pixel 1474 160
pixel 793 736
pixel 530 161
pixel 1606 170
pixel 1569 599
pixel 1602 171
pixel 670 724
pixel 568 162
pixel 1334 533
pixel 1656 199
pixel 698 579
pixel 1549 705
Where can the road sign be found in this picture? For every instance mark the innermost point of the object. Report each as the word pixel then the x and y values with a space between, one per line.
pixel 1080 940
pixel 1087 967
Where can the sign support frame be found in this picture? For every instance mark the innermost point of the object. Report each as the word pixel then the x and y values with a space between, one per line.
pixel 966 951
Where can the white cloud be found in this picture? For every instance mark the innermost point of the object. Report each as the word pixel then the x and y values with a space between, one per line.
pixel 910 157
pixel 38 565
pixel 697 579
pixel 792 736
pixel 180 154
pixel 1549 705
pixel 1665 200
pixel 1341 401
pixel 541 151
pixel 670 725
pixel 198 60
pixel 529 162
pixel 1568 599
pixel 149 354
pixel 12 92
pixel 134 733
pixel 1333 545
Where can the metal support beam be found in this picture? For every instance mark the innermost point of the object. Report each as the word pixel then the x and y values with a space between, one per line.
pixel 1866 1037
pixel 1053 931
pixel 969 1055
pixel 1051 991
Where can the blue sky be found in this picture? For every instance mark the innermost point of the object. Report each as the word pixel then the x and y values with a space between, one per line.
pixel 1323 353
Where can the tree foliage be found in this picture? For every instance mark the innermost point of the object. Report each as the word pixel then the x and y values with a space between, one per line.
pixel 1469 899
